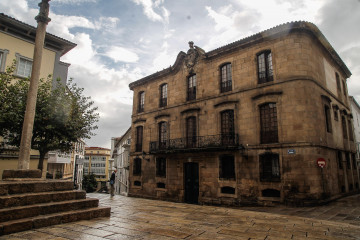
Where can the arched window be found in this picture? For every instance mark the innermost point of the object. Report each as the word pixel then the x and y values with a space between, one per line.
pixel 163 95
pixel 265 67
pixel 141 102
pixel 327 119
pixel 191 88
pixel 338 83
pixel 226 79
pixel 268 123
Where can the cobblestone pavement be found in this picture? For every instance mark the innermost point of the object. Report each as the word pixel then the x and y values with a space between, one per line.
pixel 135 218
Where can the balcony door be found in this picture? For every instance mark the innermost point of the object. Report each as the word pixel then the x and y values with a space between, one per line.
pixel 191 132
pixel 227 128
pixel 191 182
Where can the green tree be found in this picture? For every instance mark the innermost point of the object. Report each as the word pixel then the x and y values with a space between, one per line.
pixel 89 183
pixel 63 114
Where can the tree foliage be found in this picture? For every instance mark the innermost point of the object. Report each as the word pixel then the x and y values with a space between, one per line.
pixel 89 183
pixel 63 115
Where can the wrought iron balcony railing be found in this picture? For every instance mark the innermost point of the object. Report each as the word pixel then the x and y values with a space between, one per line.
pixel 221 141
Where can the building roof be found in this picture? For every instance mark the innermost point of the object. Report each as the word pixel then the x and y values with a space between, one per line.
pixel 286 28
pixel 17 28
pixel 354 101
pixel 96 148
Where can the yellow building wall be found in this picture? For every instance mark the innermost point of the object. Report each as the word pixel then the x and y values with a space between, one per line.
pixel 100 152
pixel 12 163
pixel 24 48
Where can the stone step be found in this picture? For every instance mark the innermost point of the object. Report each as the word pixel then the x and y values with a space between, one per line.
pixel 16 200
pixel 18 187
pixel 13 213
pixel 52 219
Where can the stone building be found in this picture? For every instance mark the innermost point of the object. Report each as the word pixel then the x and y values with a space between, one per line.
pixel 246 123
pixel 355 110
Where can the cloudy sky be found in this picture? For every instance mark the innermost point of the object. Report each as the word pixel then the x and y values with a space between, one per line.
pixel 120 41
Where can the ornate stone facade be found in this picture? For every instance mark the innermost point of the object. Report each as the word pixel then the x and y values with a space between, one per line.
pixel 246 123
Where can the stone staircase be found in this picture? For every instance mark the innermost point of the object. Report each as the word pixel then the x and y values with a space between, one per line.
pixel 26 204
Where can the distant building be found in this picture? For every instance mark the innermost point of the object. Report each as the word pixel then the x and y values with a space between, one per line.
pixel 247 123
pixel 355 110
pixel 17 42
pixel 60 165
pixel 120 148
pixel 97 162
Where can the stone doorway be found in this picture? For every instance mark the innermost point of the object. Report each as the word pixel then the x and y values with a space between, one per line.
pixel 191 182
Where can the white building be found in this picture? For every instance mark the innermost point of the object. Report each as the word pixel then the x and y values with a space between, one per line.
pixel 120 150
pixel 355 110
pixel 78 155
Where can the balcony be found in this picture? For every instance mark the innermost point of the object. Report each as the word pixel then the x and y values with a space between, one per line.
pixel 198 143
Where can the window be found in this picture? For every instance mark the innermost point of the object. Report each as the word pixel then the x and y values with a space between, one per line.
pixel 227 127
pixel 227 167
pixel 348 161
pixel 139 138
pixel 336 116
pixel 338 83
pixel 191 91
pixel 351 135
pixel 344 87
pixel 268 123
pixel 24 67
pixel 265 68
pixel 141 102
pixel 226 81
pixel 339 158
pixel 327 119
pixel 343 122
pixel 269 167
pixel 354 161
pixel 163 95
pixel 3 54
pixel 137 167
pixel 228 190
pixel 191 132
pixel 161 167
pixel 162 135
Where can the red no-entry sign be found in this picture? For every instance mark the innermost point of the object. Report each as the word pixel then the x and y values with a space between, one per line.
pixel 321 162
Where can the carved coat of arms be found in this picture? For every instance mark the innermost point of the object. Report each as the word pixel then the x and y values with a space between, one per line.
pixel 191 56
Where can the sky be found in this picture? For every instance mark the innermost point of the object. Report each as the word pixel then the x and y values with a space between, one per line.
pixel 121 41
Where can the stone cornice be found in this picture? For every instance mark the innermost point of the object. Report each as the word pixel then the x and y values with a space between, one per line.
pixel 267 94
pixel 226 102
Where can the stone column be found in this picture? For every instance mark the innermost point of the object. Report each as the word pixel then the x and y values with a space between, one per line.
pixel 28 124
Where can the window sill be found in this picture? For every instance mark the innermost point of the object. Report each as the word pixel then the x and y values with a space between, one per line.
pixel 161 189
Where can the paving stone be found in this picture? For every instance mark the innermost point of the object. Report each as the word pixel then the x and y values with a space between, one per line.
pixel 135 218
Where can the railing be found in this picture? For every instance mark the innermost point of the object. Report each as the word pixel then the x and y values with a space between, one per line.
pixel 226 86
pixel 221 141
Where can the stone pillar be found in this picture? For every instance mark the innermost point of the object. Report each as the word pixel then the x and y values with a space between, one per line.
pixel 28 124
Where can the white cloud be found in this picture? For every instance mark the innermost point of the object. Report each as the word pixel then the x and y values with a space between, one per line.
pixel 73 1
pixel 149 10
pixel 120 54
pixel 232 24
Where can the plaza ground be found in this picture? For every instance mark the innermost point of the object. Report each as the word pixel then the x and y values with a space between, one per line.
pixel 136 218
